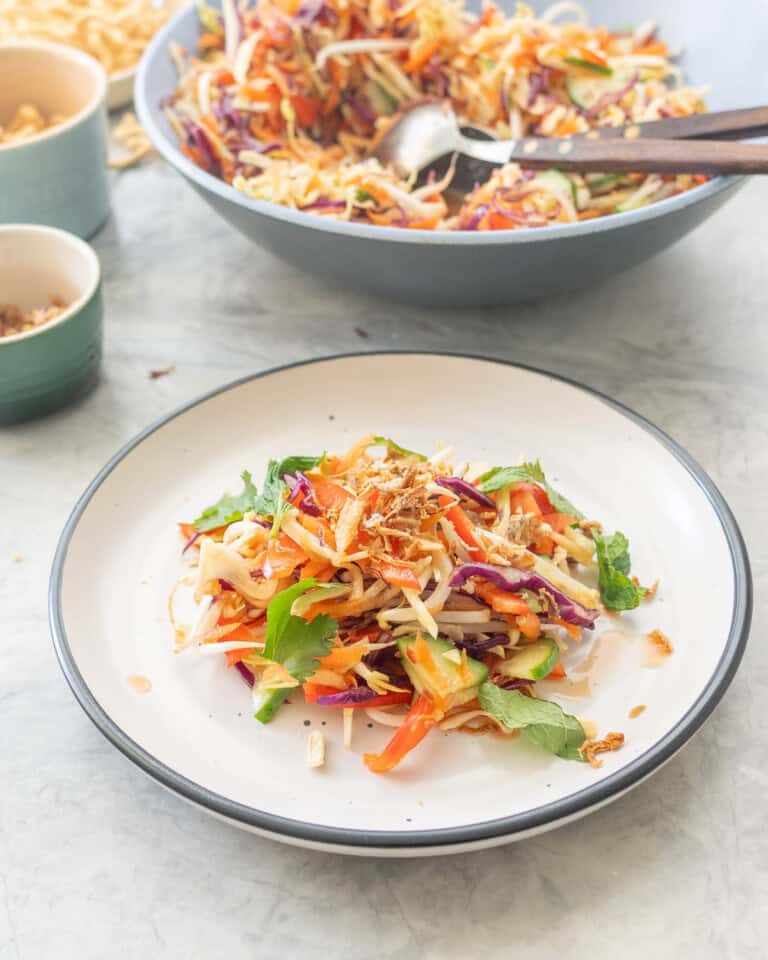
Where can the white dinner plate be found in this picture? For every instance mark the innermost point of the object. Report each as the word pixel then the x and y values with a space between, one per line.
pixel 193 732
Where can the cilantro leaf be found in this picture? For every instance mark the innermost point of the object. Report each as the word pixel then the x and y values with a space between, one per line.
pixel 293 642
pixel 393 447
pixel 499 477
pixel 272 502
pixel 486 63
pixel 617 590
pixel 362 196
pixel 543 722
pixel 229 508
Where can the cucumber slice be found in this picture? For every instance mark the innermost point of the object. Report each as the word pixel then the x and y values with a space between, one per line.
pixel 586 91
pixel 588 65
pixel 380 99
pixel 532 662
pixel 633 202
pixel 562 186
pixel 449 684
pixel 602 182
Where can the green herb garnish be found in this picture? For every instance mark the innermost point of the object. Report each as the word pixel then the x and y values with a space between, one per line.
pixel 541 721
pixel 499 477
pixel 229 508
pixel 294 643
pixel 272 502
pixel 617 590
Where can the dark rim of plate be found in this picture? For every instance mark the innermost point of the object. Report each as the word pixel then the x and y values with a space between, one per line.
pixel 565 808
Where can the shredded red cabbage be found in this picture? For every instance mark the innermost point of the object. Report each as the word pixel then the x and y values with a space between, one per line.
pixel 299 484
pixel 608 98
pixel 513 580
pixel 474 221
pixel 222 106
pixel 309 12
pixel 476 647
pixel 325 203
pixel 244 672
pixel 466 489
pixel 345 697
pixel 535 86
pixel 191 540
pixel 200 140
pixel 362 109
pixel 513 683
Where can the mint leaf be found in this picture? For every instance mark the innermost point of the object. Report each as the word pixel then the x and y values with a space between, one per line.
pixel 617 590
pixel 617 550
pixel 293 642
pixel 229 508
pixel 393 447
pixel 500 477
pixel 543 722
pixel 272 501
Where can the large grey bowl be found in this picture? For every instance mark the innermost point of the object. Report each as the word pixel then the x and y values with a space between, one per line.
pixel 496 267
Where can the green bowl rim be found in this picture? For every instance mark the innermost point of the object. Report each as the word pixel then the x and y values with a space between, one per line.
pixel 77 305
pixel 95 101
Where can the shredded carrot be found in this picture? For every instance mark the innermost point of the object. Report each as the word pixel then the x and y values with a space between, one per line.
pixel 573 631
pixel 529 625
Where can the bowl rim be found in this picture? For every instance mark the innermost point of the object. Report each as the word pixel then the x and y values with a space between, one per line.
pixel 74 55
pixel 443 839
pixel 84 249
pixel 208 183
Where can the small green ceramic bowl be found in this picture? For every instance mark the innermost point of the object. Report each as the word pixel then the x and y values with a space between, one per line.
pixel 47 367
pixel 59 177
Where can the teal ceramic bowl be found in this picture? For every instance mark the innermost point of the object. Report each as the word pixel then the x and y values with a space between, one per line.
pixel 59 177
pixel 47 367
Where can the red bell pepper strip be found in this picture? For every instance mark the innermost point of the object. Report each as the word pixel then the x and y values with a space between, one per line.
pixel 530 497
pixel 420 719
pixel 557 672
pixel 240 634
pixel 398 575
pixel 463 527
pixel 329 495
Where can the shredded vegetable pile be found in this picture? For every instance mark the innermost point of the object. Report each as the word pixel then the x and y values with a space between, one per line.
pixel 429 596
pixel 286 99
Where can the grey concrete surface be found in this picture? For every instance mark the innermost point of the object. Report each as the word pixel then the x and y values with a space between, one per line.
pixel 97 862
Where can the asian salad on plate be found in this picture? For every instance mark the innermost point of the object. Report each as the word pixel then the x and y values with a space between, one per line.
pixel 287 99
pixel 429 595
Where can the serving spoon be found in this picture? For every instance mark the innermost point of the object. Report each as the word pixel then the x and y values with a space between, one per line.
pixel 425 133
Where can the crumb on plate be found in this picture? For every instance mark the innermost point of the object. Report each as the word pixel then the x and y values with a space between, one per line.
pixel 590 748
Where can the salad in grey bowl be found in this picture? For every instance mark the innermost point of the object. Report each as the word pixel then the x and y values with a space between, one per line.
pixel 513 238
